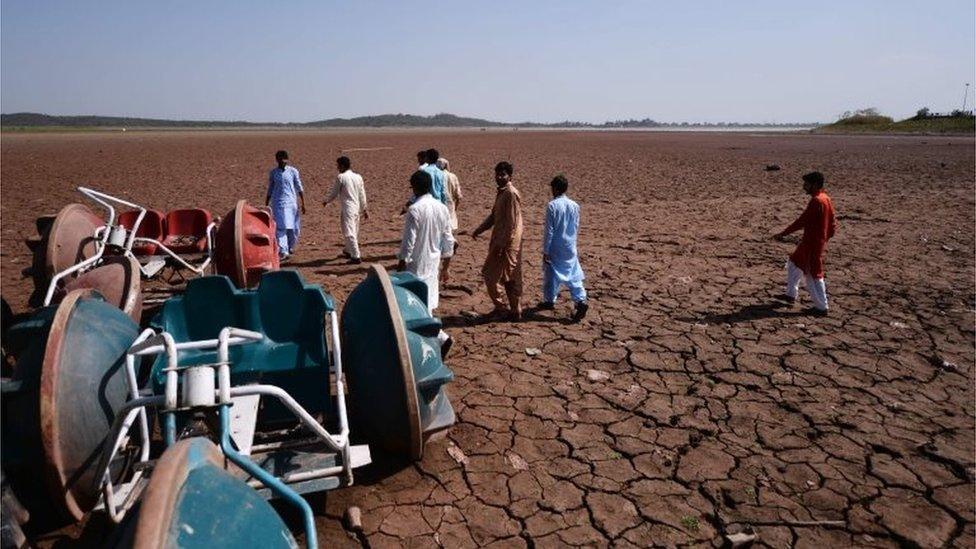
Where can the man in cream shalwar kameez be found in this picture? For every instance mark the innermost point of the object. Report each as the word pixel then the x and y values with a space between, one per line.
pixel 351 191
pixel 452 188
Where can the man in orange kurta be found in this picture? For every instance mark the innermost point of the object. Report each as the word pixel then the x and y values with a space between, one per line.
pixel 806 262
pixel 503 266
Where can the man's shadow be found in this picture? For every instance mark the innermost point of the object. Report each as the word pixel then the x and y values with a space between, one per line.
pixel 466 321
pixel 749 313
pixel 528 315
pixel 337 261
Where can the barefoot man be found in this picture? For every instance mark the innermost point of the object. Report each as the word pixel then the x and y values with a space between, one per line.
pixel 806 263
pixel 503 266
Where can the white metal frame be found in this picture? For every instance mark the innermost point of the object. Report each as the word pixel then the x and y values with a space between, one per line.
pixel 104 233
pixel 118 501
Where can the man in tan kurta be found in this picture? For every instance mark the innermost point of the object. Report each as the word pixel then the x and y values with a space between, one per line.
pixel 503 266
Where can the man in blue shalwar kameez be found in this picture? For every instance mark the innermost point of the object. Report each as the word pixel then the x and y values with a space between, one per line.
pixel 285 192
pixel 560 261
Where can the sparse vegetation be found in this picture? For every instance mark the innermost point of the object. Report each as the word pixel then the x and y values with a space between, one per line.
pixel 925 121
pixel 863 117
pixel 690 523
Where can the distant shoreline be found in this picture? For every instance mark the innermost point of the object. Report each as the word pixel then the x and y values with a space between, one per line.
pixel 26 121
pixel 334 129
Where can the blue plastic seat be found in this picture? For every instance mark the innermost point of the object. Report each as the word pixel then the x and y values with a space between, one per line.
pixel 293 355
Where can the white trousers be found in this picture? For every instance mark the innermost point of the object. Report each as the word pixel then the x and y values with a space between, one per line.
pixel 349 223
pixel 287 240
pixel 815 286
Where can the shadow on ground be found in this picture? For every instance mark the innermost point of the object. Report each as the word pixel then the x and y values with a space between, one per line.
pixel 749 313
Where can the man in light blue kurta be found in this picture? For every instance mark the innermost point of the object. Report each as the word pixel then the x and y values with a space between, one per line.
pixel 437 174
pixel 560 261
pixel 428 163
pixel 285 192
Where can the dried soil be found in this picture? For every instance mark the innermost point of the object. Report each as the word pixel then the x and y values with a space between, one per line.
pixel 721 410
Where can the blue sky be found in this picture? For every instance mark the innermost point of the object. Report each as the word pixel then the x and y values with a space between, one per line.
pixel 543 61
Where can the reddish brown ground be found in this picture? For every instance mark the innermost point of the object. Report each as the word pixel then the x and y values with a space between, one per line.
pixel 719 411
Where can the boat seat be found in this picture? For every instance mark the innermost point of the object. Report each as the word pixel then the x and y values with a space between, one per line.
pixel 153 226
pixel 293 355
pixel 186 230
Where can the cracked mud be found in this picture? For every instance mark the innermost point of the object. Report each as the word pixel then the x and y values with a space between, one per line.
pixel 712 410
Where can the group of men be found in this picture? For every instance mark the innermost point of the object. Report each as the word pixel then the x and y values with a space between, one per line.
pixel 428 241
pixel 430 222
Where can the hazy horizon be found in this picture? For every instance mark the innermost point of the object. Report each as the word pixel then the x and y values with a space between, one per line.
pixel 507 122
pixel 545 62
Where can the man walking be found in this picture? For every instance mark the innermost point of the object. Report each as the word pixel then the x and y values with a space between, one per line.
pixel 285 191
pixel 560 260
pixel 503 266
pixel 351 191
pixel 437 176
pixel 452 188
pixel 806 262
pixel 427 243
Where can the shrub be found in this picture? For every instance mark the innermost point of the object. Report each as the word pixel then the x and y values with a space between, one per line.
pixel 863 117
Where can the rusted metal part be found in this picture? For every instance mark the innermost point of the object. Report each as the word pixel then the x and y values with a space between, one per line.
pixel 246 246
pixel 405 363
pixel 63 241
pixel 384 408
pixel 118 280
pixel 71 238
pixel 82 383
pixel 392 353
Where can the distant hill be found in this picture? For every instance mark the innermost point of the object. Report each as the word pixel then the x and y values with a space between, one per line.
pixel 32 119
pixel 37 120
pixel 405 121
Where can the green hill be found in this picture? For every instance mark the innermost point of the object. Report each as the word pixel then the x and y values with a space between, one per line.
pixel 957 123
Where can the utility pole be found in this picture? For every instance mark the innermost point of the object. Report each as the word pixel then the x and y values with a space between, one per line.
pixel 965 97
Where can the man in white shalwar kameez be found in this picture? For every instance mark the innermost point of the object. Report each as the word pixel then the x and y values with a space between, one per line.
pixel 560 260
pixel 427 238
pixel 427 244
pixel 285 191
pixel 351 191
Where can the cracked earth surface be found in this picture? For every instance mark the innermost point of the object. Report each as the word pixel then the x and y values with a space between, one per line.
pixel 685 407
